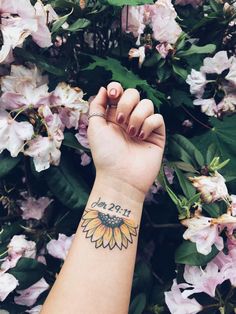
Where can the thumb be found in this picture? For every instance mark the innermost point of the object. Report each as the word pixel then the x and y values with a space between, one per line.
pixel 98 105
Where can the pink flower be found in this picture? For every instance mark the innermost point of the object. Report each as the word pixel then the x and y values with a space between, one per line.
pixel 164 49
pixel 228 103
pixel 8 283
pixel 212 188
pixel 17 248
pixel 24 87
pixel 231 76
pixel 13 134
pixel 137 53
pixel 69 117
pixel 85 159
pixel 217 64
pixel 233 204
pixel 178 304
pixel 22 8
pixel 32 207
pixel 208 106
pixel 197 81
pixel 202 280
pixel 35 310
pixel 165 28
pixel 82 136
pixel 29 296
pixel 187 123
pixel 59 248
pixel 204 233
pixel 193 3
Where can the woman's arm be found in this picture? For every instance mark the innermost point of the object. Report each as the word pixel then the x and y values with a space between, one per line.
pixel 97 275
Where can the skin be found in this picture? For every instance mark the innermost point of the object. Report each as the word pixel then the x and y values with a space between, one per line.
pixel 127 149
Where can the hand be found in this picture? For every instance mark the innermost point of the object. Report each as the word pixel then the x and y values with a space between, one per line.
pixel 127 146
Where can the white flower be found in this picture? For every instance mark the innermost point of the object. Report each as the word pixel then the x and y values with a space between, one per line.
pixel 32 207
pixel 217 64
pixel 35 310
pixel 204 233
pixel 228 103
pixel 59 248
pixel 212 188
pixel 13 134
pixel 8 283
pixel 208 106
pixel 137 53
pixel 197 81
pixel 231 76
pixel 19 245
pixel 29 296
pixel 178 304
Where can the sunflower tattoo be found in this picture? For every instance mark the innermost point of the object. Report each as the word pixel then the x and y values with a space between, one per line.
pixel 107 230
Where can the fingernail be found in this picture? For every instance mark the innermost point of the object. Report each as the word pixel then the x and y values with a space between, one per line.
pixel 132 130
pixel 113 92
pixel 141 135
pixel 120 118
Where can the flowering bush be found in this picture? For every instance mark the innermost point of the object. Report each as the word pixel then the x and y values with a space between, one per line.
pixel 54 55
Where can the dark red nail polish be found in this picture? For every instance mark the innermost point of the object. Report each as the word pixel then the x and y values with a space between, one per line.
pixel 120 118
pixel 141 135
pixel 113 92
pixel 132 130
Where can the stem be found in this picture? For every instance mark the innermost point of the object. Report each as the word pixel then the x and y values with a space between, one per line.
pixel 160 226
pixel 211 306
pixel 194 118
pixel 3 253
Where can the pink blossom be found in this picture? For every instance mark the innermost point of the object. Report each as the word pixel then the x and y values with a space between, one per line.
pixel 193 3
pixel 35 310
pixel 24 87
pixel 187 123
pixel 204 233
pixel 8 283
pixel 59 248
pixel 82 136
pixel 69 117
pixel 85 159
pixel 202 280
pixel 13 134
pixel 197 81
pixel 212 188
pixel 29 296
pixel 22 8
pixel 208 106
pixel 228 103
pixel 137 53
pixel 233 204
pixel 164 49
pixel 32 207
pixel 165 28
pixel 216 64
pixel 178 304
pixel 231 76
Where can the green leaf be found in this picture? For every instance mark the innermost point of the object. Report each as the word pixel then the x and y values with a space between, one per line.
pixel 70 189
pixel 142 280
pixel 78 25
pixel 71 141
pixel 138 304
pixel 39 61
pixel 210 48
pixel 180 71
pixel 223 135
pixel 127 78
pixel 27 271
pixel 58 23
pixel 120 3
pixel 212 152
pixel 8 231
pixel 186 186
pixel 187 254
pixel 213 210
pixel 184 166
pixel 180 98
pixel 173 196
pixel 7 163
pixel 181 148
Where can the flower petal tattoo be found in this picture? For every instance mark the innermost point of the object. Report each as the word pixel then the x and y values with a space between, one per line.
pixel 107 230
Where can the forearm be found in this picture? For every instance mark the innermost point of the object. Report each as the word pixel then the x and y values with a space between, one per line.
pixel 97 274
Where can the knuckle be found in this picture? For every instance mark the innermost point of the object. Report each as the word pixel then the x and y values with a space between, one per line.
pixel 136 118
pixel 132 91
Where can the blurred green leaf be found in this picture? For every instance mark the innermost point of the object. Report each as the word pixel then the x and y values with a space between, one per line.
pixel 7 163
pixel 181 148
pixel 210 48
pixel 9 230
pixel 58 23
pixel 142 280
pixel 67 186
pixel 120 3
pixel 185 184
pixel 27 271
pixel 138 304
pixel 180 71
pixel 212 152
pixel 78 25
pixel 187 254
pixel 71 141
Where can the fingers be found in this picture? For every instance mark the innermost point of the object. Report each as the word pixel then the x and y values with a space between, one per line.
pixel 98 105
pixel 114 92
pixel 153 128
pixel 126 104
pixel 143 110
